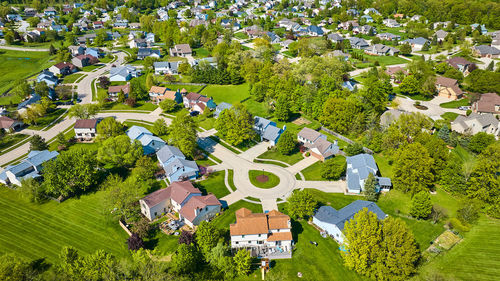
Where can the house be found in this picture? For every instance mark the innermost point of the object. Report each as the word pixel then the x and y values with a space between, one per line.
pixel 184 198
pixel 29 12
pixel 448 88
pixel 267 130
pixel 150 143
pixel 120 24
pixel 9 124
pixel 90 37
pixel 394 70
pixel 358 168
pixel 76 50
pixel 441 35
pixel 138 43
pixel 339 53
pixel 475 123
pixel 267 235
pixel 84 60
pixel 221 107
pixel 417 43
pixel 156 91
pixel 381 50
pixel 48 77
pixel 85 129
pixel 32 99
pixel 358 43
pixel 93 52
pixel 134 25
pixel 371 11
pixel 348 25
pixel 98 24
pixel 150 38
pixel 166 67
pixel 210 61
pixel 391 23
pixel 388 36
pixel 181 50
pixel 273 38
pixel 314 30
pixel 50 11
pixel 286 43
pixel 461 65
pixel 143 53
pixel 168 95
pixel 480 27
pixel 63 68
pixel 123 73
pixel 335 38
pixel 487 103
pixel 332 221
pixel 28 168
pixel 31 36
pixel 317 144
pixel 365 29
pixel 197 102
pixel 175 165
pixel 486 51
pixel 113 91
pixel 366 18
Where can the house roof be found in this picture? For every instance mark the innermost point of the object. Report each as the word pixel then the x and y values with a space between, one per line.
pixel 448 82
pixel 359 167
pixel 277 220
pixel 182 48
pixel 62 65
pixel 136 131
pixel 6 122
pixel 487 103
pixel 309 134
pixel 180 190
pixel 339 218
pixel 223 105
pixel 157 197
pixel 323 147
pixel 86 124
pixel 167 152
pixel 37 158
pixel 441 33
pixel 198 202
pixel 487 50
pixel 193 96
pixel 280 236
pixel 146 139
pixel 456 61
pixel 117 89
pixel 249 223
pixel 156 89
pixel 395 69
pixel 271 133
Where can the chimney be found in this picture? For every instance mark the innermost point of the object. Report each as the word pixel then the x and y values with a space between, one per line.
pixel 335 142
pixel 196 211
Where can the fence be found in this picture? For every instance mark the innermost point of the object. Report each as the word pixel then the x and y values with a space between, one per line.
pixel 341 137
pixel 125 228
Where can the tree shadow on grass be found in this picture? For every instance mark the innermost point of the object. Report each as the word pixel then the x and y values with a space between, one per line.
pixel 296 230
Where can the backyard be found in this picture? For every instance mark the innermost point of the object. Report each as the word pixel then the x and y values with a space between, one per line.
pixel 227 93
pixel 214 184
pixel 72 78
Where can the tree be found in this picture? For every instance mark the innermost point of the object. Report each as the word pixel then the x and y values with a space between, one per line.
pixel 410 86
pixel 413 169
pixel 354 149
pixel 452 178
pixel 282 111
pixel 235 125
pixel 437 151
pixel 145 168
pixel 160 127
pixel 480 141
pixel 61 141
pixel 119 151
pixel 42 89
pixel 168 105
pixel 243 262
pixel 484 181
pixel 370 188
pixel 301 204
pixel 182 134
pixel 444 133
pixel 104 82
pixel 135 242
pixel 221 260
pixel 421 205
pixel 71 172
pixel 108 128
pixel 339 114
pixel 38 143
pixel 490 66
pixel 83 111
pixel 469 212
pixel 332 169
pixel 286 143
pixel 121 196
pixel 405 49
pixel 31 190
pixel 14 268
pixel 186 259
pixel 150 81
pixel 207 237
pixel 142 228
pixel 186 237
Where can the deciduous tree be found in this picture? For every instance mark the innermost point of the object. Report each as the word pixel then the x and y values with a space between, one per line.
pixel 108 128
pixel 332 169
pixel 301 204
pixel 286 143
pixel 413 169
pixel 182 134
pixel 421 205
pixel 38 143
pixel 119 152
pixel 243 262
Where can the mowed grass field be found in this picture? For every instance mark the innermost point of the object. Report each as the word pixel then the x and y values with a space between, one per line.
pixel 40 231
pixel 477 257
pixel 15 65
pixel 227 93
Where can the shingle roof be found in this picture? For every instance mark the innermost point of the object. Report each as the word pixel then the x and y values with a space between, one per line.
pixel 271 133
pixel 198 202
pixel 85 123
pixel 6 122
pixel 339 218
pixel 180 190
pixel 248 223
pixel 167 152
pixel 487 102
pixel 309 134
pixel 135 131
pixel 157 197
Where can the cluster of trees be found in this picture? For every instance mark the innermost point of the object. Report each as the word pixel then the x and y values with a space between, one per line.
pixel 235 125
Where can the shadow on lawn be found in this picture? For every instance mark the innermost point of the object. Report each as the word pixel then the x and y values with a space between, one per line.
pixel 296 230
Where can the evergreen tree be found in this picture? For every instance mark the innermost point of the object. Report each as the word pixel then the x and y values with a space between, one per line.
pixel 444 133
pixel 421 205
pixel 490 66
pixel 38 143
pixel 370 188
pixel 243 262
pixel 286 143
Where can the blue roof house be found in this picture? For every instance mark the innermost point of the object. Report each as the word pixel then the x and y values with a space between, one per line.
pixel 367 18
pixel 267 130
pixel 150 143
pixel 358 168
pixel 175 165
pixel 93 52
pixel 34 98
pixel 332 221
pixel 48 77
pixel 28 168
pixel 314 30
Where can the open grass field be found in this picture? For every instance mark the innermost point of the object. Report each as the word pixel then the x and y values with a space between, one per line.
pixel 455 103
pixel 72 78
pixel 189 88
pixel 313 172
pixel 475 258
pixel 227 93
pixel 214 184
pixel 201 53
pixel 255 175
pixel 276 155
pixel 15 65
pixel 37 231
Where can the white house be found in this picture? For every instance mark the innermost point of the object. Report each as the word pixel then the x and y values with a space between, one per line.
pixel 28 168
pixel 476 123
pixel 332 221
pixel 266 235
pixel 358 168
pixel 166 67
pixel 319 146
pixel 123 73
pixel 181 197
pixel 85 129
pixel 150 143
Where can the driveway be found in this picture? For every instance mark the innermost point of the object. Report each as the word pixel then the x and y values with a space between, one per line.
pixel 255 151
pixel 302 164
pixel 434 111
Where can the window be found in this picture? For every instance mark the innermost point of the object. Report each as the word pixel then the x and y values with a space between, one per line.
pixel 242 236
pixel 236 242
pixel 260 235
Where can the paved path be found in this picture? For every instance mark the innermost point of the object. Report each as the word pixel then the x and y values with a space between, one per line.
pixel 255 151
pixel 434 111
pixel 302 164
pixel 23 49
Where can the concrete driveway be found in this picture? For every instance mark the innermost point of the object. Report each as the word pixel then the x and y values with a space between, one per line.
pixel 434 111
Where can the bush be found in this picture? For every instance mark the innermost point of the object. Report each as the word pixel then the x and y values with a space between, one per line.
pixel 469 213
pixel 458 226
pixel 353 149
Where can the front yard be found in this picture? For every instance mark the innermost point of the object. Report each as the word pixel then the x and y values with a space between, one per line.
pixel 274 154
pixel 313 172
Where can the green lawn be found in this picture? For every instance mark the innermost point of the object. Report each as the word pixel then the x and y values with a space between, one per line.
pixel 44 121
pixel 449 116
pixel 313 172
pixel 89 68
pixel 72 78
pixel 229 217
pixel 227 93
pixel 175 87
pixel 241 35
pixel 141 105
pixel 205 162
pixel 276 155
pixel 201 53
pixel 256 108
pixel 214 184
pixel 11 139
pixel 205 123
pixel 383 165
pixel 15 65
pixel 272 181
pixel 475 258
pixel 455 103
pixel 36 231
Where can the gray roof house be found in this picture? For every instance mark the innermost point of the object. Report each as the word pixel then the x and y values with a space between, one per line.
pixel 475 123
pixel 123 73
pixel 143 53
pixel 388 36
pixel 358 169
pixel 358 43
pixel 335 37
pixel 149 142
pixel 332 221
pixel 166 67
pixel 381 50
pixel 319 146
pixel 175 165
pixel 267 130
pixel 416 44
pixel 486 51
pixel 28 168
pixel 221 107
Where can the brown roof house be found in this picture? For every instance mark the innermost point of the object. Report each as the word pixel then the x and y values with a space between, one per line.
pixel 113 91
pixel 181 50
pixel 448 88
pixel 9 124
pixel 476 123
pixel 317 144
pixel 267 235
pixel 184 198
pixel 86 129
pixel 461 65
pixel 84 60
pixel 394 73
pixel 63 68
pixel 487 103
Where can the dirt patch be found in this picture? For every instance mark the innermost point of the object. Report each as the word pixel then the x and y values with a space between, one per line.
pixel 421 107
pixel 262 178
pixel 301 121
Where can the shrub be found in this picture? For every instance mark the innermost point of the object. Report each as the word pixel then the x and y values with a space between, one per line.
pixel 458 226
